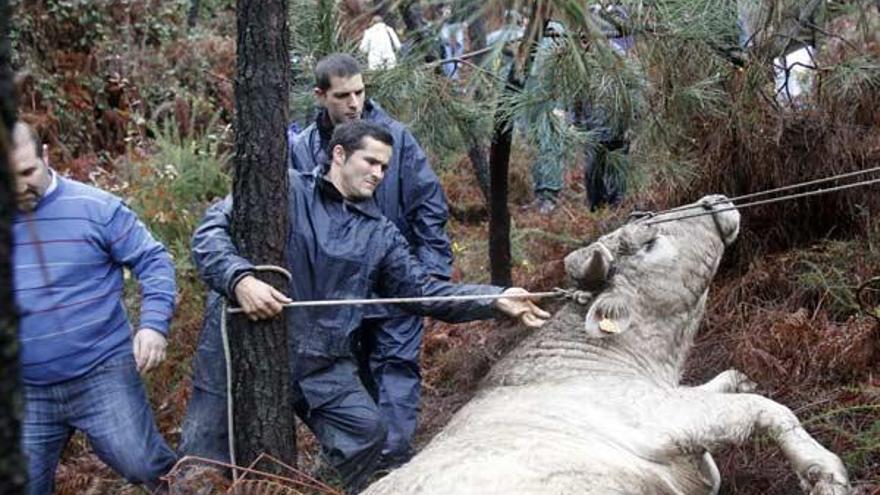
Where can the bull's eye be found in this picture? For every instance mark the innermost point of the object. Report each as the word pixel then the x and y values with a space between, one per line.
pixel 648 246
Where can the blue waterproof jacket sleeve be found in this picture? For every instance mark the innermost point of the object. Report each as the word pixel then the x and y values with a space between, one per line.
pixel 214 254
pixel 402 275
pixel 426 210
pixel 132 245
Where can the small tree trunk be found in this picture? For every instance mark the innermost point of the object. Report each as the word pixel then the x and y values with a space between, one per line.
pixel 499 164
pixel 12 465
pixel 263 410
pixel 193 15
pixel 499 216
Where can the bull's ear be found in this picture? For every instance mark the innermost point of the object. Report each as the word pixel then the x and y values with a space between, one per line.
pixel 589 266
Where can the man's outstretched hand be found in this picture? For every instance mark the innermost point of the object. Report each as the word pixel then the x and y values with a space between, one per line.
pixel 523 309
pixel 259 300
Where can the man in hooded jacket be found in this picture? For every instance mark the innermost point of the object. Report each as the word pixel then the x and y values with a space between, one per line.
pixel 412 198
pixel 339 247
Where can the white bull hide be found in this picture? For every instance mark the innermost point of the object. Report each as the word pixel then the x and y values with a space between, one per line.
pixel 591 403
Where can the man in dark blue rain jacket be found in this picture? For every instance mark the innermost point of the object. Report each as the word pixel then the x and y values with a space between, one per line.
pixel 412 198
pixel 339 247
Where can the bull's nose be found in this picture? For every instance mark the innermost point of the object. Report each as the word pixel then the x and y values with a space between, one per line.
pixel 729 222
pixel 727 217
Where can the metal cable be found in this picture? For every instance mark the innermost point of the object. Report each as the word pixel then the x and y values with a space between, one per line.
pixel 772 191
pixel 403 300
pixel 760 202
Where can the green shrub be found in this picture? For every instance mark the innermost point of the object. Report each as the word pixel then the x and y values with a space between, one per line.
pixel 171 189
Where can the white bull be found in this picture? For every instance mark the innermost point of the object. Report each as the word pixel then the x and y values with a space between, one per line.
pixel 591 403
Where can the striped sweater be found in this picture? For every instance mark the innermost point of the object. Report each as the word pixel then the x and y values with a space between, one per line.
pixel 68 257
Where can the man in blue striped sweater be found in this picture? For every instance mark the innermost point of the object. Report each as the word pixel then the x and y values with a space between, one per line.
pixel 79 360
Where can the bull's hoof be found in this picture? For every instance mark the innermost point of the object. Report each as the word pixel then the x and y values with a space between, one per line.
pixel 824 488
pixel 824 481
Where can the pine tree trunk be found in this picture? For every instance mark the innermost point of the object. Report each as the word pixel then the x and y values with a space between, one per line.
pixel 263 411
pixel 499 215
pixel 192 16
pixel 12 465
pixel 499 164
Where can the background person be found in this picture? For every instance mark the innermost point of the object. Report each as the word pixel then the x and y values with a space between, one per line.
pixel 380 44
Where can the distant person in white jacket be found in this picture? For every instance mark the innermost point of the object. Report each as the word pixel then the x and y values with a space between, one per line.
pixel 380 44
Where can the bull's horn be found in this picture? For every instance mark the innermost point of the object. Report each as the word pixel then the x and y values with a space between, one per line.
pixel 589 266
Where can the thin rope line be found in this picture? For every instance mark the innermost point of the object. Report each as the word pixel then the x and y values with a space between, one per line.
pixel 403 300
pixel 230 422
pixel 771 191
pixel 762 202
pixel 227 353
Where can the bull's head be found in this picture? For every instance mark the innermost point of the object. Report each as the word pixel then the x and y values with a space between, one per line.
pixel 645 272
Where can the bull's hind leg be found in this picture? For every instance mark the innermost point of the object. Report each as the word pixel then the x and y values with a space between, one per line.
pixel 706 421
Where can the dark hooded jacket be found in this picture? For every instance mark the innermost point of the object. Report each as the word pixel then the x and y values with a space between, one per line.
pixel 410 195
pixel 336 249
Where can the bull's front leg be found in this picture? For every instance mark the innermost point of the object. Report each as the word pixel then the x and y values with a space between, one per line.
pixel 729 382
pixel 708 421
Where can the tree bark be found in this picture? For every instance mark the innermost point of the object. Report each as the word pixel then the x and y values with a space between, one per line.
pixel 12 465
pixel 192 16
pixel 499 215
pixel 263 410
pixel 499 161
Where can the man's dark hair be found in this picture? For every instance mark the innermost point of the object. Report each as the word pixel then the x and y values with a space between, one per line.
pixel 32 136
pixel 350 135
pixel 335 65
